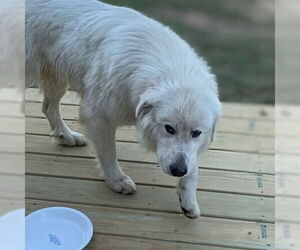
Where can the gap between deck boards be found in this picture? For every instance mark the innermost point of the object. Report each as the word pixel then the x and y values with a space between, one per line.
pixel 152 198
pixel 230 220
pixel 150 174
pixel 105 241
pixel 216 159
pixel 224 141
pixel 157 226
pixel 228 125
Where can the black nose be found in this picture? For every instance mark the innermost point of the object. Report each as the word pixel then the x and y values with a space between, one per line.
pixel 178 168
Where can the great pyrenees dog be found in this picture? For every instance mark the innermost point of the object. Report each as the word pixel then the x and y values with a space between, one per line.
pixel 128 69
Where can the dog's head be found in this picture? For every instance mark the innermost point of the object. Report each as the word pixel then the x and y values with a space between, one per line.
pixel 178 124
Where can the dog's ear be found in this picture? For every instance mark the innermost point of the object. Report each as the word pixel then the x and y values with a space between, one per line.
pixel 143 108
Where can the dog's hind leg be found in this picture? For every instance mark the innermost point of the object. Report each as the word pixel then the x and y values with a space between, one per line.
pixel 102 134
pixel 51 109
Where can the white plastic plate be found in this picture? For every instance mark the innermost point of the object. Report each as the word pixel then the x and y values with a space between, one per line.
pixel 12 230
pixel 58 228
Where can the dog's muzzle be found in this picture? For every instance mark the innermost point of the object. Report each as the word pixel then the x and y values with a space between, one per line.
pixel 179 167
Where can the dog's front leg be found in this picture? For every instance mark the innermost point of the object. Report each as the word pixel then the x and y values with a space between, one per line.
pixel 102 134
pixel 187 188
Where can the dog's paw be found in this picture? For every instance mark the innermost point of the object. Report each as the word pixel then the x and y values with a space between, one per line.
pixel 69 138
pixel 124 185
pixel 189 207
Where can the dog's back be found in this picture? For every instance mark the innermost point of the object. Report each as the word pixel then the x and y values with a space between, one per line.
pixel 69 38
pixel 53 38
pixel 63 36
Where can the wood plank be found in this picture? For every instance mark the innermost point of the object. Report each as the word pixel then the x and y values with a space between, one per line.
pixel 149 174
pixel 104 242
pixel 288 112
pixel 12 143
pixel 69 112
pixel 35 95
pixel 247 126
pixel 231 125
pixel 288 145
pixel 287 128
pixel 287 235
pixel 237 110
pixel 171 227
pixel 10 125
pixel 289 164
pixel 12 163
pixel 287 184
pixel 12 187
pixel 149 198
pixel 10 95
pixel 8 205
pixel 213 159
pixel 247 110
pixel 287 209
pixel 11 110
pixel 223 141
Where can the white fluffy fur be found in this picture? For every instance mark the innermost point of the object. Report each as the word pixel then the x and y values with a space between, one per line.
pixel 128 69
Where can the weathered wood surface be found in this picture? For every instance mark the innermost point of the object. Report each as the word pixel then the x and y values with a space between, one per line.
pixel 12 186
pixel 288 163
pixel 223 141
pixel 235 190
pixel 287 235
pixel 171 227
pixel 10 95
pixel 213 159
pixel 12 163
pixel 12 126
pixel 149 198
pixel 226 124
pixel 150 174
pixel 103 241
pixel 287 177
pixel 12 149
pixel 12 192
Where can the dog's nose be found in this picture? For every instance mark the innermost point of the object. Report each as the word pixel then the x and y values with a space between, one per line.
pixel 178 168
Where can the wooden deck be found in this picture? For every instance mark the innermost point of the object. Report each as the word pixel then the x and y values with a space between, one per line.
pixel 12 145
pixel 287 172
pixel 235 191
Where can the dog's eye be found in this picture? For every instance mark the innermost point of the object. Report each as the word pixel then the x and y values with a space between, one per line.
pixel 196 133
pixel 170 129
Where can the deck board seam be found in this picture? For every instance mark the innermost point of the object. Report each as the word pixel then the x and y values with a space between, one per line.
pixel 287 195
pixel 10 133
pixel 150 185
pixel 12 174
pixel 212 148
pixel 150 210
pixel 173 241
pixel 12 116
pixel 227 116
pixel 11 199
pixel 143 162
pixel 227 132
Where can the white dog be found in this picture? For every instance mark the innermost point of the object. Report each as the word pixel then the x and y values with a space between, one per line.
pixel 128 69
